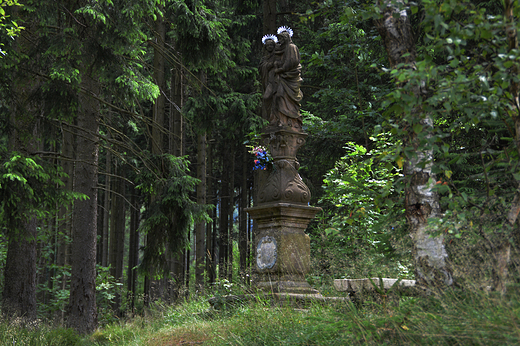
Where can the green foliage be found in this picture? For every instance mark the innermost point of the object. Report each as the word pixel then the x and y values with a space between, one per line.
pixel 171 212
pixel 28 188
pixel 466 70
pixel 199 31
pixel 361 218
pixel 342 90
pixel 107 288
pixel 15 333
pixel 12 29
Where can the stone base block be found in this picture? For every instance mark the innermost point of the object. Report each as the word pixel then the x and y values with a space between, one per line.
pixel 356 285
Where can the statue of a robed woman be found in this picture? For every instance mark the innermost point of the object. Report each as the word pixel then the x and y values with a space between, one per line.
pixel 281 80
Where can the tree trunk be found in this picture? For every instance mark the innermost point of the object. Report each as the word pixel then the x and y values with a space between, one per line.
pixel 224 218
pixel 159 105
pixel 19 291
pixel 269 17
pixel 117 234
pixel 242 228
pixel 106 207
pixel 82 309
pixel 200 228
pixel 421 202
pixel 231 211
pixel 177 149
pixel 502 255
pixel 133 248
pixel 178 129
pixel 210 227
pixel 19 294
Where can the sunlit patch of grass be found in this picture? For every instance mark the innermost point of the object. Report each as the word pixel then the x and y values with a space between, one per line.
pixel 194 335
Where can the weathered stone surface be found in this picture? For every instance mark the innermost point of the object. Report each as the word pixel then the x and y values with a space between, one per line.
pixel 281 182
pixel 355 285
pixel 283 142
pixel 282 249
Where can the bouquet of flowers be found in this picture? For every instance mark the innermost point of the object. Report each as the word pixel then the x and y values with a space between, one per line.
pixel 262 158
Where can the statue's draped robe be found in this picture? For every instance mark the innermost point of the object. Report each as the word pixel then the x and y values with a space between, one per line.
pixel 288 95
pixel 268 83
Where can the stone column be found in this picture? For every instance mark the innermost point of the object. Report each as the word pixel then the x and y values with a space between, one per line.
pixel 282 213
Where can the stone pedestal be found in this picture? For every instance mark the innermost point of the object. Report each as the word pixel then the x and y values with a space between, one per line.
pixel 282 249
pixel 282 213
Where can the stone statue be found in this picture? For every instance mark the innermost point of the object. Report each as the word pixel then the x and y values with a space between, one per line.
pixel 286 103
pixel 281 80
pixel 267 66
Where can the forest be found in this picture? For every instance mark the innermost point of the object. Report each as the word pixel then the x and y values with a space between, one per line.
pixel 128 134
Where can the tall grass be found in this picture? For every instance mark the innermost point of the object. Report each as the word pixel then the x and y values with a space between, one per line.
pixel 459 317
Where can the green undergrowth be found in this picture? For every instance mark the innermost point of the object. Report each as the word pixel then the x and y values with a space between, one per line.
pixel 461 317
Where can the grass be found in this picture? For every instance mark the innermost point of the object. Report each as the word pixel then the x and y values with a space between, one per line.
pixel 463 317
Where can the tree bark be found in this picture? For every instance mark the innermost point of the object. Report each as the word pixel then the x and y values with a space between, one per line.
pixel 200 228
pixel 231 211
pixel 19 294
pixel 117 234
pixel 178 99
pixel 133 249
pixel 159 105
pixel 19 291
pixel 421 202
pixel 270 12
pixel 224 218
pixel 242 227
pixel 106 207
pixel 502 255
pixel 65 223
pixel 82 315
pixel 210 227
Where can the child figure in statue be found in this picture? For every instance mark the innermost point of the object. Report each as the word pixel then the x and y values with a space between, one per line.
pixel 267 68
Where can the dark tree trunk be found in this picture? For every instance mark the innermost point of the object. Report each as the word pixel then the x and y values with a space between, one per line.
pixel 224 217
pixel 159 105
pixel 178 96
pixel 231 210
pixel 117 234
pixel 19 294
pixel 210 227
pixel 106 207
pixel 19 291
pixel 200 228
pixel 82 315
pixel 269 17
pixel 133 248
pixel 242 229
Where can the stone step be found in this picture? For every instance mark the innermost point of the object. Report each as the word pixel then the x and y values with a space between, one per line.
pixel 355 285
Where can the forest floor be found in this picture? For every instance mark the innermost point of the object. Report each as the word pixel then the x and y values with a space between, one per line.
pixel 462 317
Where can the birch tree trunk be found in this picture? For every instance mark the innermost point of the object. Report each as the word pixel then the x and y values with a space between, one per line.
pixel 503 247
pixel 421 202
